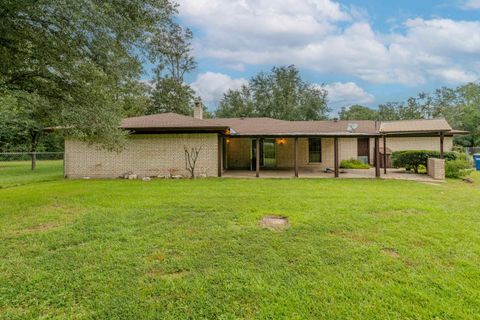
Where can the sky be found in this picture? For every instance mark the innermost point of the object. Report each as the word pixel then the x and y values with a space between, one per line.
pixel 364 52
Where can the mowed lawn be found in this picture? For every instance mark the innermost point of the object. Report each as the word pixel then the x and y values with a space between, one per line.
pixel 182 249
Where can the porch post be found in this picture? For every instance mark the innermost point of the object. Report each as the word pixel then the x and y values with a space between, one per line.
pixel 257 158
pixel 295 158
pixel 220 155
pixel 335 156
pixel 384 154
pixel 377 157
pixel 441 144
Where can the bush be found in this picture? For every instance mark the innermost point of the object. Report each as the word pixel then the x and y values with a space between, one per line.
pixel 353 164
pixel 413 159
pixel 458 168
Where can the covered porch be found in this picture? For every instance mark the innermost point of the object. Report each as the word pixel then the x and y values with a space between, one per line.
pixel 309 156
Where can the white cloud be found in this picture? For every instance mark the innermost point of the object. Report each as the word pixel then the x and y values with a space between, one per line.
pixel 211 86
pixel 326 37
pixel 454 75
pixel 347 93
pixel 471 5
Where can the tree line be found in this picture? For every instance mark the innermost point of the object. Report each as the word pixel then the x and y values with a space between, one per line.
pixel 460 106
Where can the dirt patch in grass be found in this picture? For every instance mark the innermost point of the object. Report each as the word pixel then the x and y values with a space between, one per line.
pixel 38 228
pixel 275 222
pixel 351 236
pixel 161 274
pixel 391 252
pixel 436 184
pixel 406 212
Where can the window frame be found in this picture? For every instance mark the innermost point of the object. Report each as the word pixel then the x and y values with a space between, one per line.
pixel 320 149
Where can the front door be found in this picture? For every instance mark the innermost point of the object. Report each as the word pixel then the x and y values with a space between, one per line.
pixel 363 149
pixel 267 154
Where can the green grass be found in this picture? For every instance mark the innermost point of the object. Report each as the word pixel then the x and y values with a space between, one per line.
pixel 182 249
pixel 14 173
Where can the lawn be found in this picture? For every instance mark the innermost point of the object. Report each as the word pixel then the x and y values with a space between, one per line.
pixel 15 173
pixel 183 249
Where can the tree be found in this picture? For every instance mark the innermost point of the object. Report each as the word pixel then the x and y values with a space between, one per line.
pixel 173 53
pixel 191 157
pixel 236 104
pixel 357 112
pixel 75 63
pixel 171 95
pixel 280 94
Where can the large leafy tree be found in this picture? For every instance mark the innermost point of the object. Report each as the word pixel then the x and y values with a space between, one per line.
pixel 76 64
pixel 173 55
pixel 358 112
pixel 280 94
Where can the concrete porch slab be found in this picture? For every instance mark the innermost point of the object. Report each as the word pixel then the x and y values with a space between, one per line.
pixel 397 174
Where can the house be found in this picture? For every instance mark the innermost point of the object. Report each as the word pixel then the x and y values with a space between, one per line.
pixel 156 146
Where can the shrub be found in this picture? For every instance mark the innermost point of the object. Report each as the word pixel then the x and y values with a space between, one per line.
pixel 413 159
pixel 458 168
pixel 353 164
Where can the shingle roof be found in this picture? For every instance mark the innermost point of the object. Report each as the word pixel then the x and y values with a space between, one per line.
pixel 275 127
pixel 415 126
pixel 269 126
pixel 168 121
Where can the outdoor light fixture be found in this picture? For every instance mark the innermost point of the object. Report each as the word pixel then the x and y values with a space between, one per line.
pixel 281 141
pixel 227 140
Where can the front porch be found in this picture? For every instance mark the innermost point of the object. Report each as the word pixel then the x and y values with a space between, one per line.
pixel 298 156
pixel 395 174
pixel 309 157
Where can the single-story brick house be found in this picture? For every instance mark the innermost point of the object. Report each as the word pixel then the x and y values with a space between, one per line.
pixel 156 145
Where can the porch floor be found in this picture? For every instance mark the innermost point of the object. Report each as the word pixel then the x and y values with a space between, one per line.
pixel 397 174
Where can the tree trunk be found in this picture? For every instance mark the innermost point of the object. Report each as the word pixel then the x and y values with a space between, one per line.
pixel 33 150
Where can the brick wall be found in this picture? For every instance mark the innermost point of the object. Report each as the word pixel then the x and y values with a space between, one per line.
pixel 436 168
pixel 238 153
pixel 144 155
pixel 412 143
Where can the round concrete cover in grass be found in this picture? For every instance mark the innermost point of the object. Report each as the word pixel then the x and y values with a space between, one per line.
pixel 275 222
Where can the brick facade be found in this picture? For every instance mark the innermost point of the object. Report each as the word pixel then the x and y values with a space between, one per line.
pixel 144 155
pixel 412 143
pixel 154 155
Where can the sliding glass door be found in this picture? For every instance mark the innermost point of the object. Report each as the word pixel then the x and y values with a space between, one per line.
pixel 267 153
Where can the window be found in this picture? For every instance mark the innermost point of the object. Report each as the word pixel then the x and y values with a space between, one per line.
pixel 314 150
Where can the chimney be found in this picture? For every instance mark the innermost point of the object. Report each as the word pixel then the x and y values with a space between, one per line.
pixel 198 110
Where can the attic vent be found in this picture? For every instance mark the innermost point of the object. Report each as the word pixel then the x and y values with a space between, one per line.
pixel 352 127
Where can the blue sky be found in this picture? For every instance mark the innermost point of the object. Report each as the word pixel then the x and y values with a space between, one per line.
pixel 366 52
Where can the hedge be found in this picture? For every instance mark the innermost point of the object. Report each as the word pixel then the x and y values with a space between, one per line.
pixel 353 164
pixel 413 159
pixel 458 168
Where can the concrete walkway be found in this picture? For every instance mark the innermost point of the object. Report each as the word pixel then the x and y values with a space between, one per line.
pixel 397 174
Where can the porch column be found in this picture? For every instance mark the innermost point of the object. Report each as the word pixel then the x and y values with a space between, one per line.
pixel 441 144
pixel 220 155
pixel 257 158
pixel 335 156
pixel 295 158
pixel 384 154
pixel 377 157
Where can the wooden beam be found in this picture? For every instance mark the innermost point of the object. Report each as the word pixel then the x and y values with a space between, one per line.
pixel 257 158
pixel 441 144
pixel 384 154
pixel 335 156
pixel 220 155
pixel 377 157
pixel 295 159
